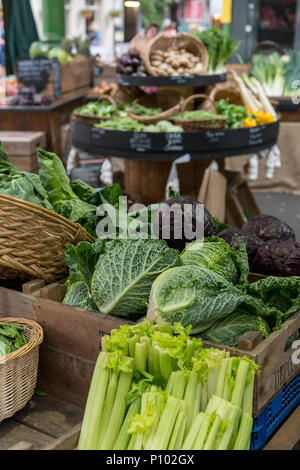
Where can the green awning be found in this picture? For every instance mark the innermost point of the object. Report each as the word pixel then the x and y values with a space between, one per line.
pixel 20 30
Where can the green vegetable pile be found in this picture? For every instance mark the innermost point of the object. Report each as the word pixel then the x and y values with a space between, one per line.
pixel 12 338
pixel 277 74
pixel 197 114
pixel 220 47
pixel 103 109
pixel 131 125
pixel 140 110
pixel 234 114
pixel 155 389
pixel 52 189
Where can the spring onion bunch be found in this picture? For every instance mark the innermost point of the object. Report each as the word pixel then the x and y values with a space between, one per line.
pixel 158 389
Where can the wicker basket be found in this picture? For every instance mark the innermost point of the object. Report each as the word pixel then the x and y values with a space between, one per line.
pixel 169 101
pixel 33 241
pixel 228 90
pixel 18 370
pixel 180 41
pixel 92 120
pixel 200 124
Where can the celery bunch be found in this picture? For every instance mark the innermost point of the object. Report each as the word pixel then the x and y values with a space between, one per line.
pixel 158 389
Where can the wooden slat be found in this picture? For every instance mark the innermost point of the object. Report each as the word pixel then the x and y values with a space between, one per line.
pixel 67 442
pixel 12 433
pixel 15 304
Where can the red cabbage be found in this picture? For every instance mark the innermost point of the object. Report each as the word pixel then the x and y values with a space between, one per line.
pixel 278 258
pixel 268 228
pixel 234 237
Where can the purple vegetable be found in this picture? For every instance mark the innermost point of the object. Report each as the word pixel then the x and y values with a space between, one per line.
pixel 268 228
pixel 234 237
pixel 278 258
pixel 178 218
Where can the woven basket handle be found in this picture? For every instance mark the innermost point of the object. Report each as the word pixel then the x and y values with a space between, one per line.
pixel 192 98
pixel 108 98
pixel 273 44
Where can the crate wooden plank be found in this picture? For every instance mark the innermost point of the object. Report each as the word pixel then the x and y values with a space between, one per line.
pixel 25 163
pixel 50 416
pixel 288 435
pixel 15 304
pixel 12 433
pixel 67 442
pixel 65 376
pixel 22 143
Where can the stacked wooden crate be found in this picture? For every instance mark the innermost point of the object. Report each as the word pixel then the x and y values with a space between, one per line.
pixel 21 148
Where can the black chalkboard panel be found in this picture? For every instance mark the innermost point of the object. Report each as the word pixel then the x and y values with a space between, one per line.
pixel 189 80
pixel 169 146
pixel 56 78
pixel 34 72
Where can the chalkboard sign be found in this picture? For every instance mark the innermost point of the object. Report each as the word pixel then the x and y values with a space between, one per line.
pixel 56 78
pixel 174 142
pixel 140 142
pixel 34 72
pixel 256 135
pixel 188 80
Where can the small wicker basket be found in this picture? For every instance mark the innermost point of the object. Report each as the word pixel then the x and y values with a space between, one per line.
pixel 227 90
pixel 33 241
pixel 92 120
pixel 18 370
pixel 180 41
pixel 169 101
pixel 200 124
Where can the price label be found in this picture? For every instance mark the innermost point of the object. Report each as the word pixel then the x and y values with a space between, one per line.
pixel 173 142
pixel 214 137
pixel 140 142
pixel 256 135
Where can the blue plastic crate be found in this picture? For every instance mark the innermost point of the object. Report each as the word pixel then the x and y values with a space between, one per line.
pixel 275 413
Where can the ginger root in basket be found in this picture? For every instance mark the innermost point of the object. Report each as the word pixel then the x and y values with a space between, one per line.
pixel 173 62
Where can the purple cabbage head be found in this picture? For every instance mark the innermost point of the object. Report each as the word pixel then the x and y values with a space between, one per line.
pixel 268 228
pixel 278 258
pixel 234 237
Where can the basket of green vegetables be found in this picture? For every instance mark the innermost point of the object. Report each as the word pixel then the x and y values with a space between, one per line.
pixel 199 119
pixel 96 111
pixel 19 356
pixel 160 106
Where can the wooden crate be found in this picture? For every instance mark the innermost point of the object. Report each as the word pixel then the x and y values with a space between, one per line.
pixel 74 76
pixel 21 148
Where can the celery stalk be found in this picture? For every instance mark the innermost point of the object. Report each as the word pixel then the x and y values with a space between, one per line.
pixel 152 433
pixel 123 438
pixel 104 343
pixel 179 385
pixel 166 425
pixel 165 364
pixel 179 425
pixel 240 383
pixel 202 433
pixel 156 368
pixel 242 440
pixel 193 433
pixel 131 345
pixel 221 379
pixel 204 395
pixel 140 358
pixel 197 402
pixel 233 419
pixel 108 405
pixel 151 359
pixel 247 404
pixel 212 381
pixel 131 445
pixel 180 435
pixel 227 380
pixel 118 411
pixel 212 435
pixel 94 406
pixel 190 397
pixel 170 384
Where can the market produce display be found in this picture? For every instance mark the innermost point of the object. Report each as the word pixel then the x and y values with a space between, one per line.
pixel 277 74
pixel 12 338
pixel 102 110
pixel 131 64
pixel 155 389
pixel 175 62
pixel 131 125
pixel 29 97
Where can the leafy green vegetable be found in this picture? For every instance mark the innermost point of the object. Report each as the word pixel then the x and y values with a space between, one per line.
pixel 121 124
pixel 197 114
pixel 140 110
pixel 83 190
pixel 215 254
pixel 125 272
pixel 12 338
pixel 199 297
pixel 228 330
pixel 234 114
pixel 220 47
pixel 78 296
